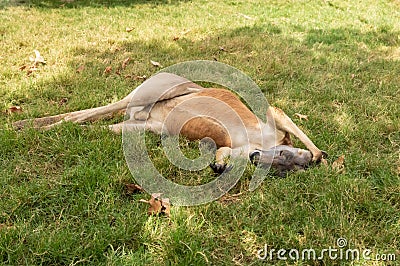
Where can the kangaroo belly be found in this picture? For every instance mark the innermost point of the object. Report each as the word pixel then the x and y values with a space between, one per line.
pixel 213 113
pixel 201 127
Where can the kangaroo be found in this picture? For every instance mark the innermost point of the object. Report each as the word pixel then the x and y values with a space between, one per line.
pixel 169 104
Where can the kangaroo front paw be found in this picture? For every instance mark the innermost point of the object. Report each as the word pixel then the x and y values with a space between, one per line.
pixel 220 168
pixel 319 155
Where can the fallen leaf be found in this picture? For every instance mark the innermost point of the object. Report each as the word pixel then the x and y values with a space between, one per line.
pixel 80 69
pixel 144 77
pixel 305 117
pixel 324 162
pixel 107 70
pixel 37 59
pixel 125 62
pixel 158 205
pixel 132 188
pixel 31 70
pixel 155 63
pixel 176 38
pixel 129 29
pixel 155 206
pixel 338 165
pixel 14 109
pixel 62 101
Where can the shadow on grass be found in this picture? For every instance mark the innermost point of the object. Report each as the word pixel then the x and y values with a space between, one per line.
pixel 318 65
pixel 87 3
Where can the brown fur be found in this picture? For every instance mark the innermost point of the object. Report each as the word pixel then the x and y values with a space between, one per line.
pixel 201 127
pixel 248 118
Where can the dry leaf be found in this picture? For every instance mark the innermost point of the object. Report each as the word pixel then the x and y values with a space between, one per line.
pixel 129 29
pixel 125 62
pixel 175 38
pixel 144 77
pixel 22 67
pixel 107 70
pixel 132 188
pixel 155 206
pixel 158 205
pixel 37 59
pixel 80 68
pixel 62 101
pixel 154 63
pixel 14 109
pixel 305 117
pixel 338 165
pixel 324 162
pixel 31 70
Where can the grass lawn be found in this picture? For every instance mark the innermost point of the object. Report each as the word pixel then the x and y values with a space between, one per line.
pixel 62 197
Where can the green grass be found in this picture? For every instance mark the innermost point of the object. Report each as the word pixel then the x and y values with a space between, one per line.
pixel 62 197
